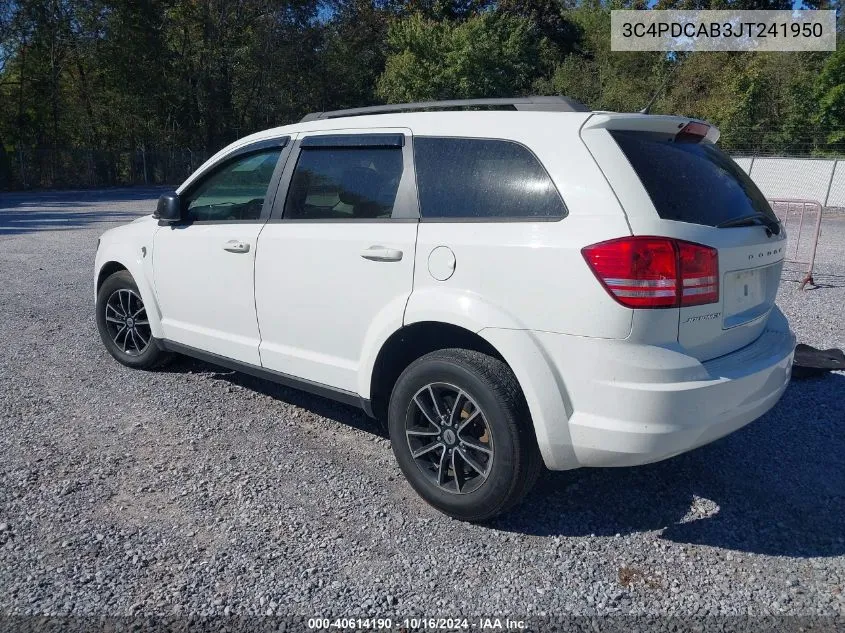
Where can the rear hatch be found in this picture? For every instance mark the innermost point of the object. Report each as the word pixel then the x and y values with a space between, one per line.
pixel 673 181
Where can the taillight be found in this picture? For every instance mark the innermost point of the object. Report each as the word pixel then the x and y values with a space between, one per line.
pixel 699 266
pixel 655 272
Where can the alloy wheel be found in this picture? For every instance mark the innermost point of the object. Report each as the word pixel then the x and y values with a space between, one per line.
pixel 127 323
pixel 449 438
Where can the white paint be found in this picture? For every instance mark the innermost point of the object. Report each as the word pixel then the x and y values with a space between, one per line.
pixel 318 298
pixel 441 263
pixel 605 385
pixel 205 291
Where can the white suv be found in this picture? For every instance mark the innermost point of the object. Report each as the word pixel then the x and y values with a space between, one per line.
pixel 505 288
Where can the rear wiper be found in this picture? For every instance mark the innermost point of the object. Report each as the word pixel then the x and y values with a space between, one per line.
pixel 772 226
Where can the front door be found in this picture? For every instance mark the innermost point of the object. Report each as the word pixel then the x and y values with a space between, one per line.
pixel 204 266
pixel 337 266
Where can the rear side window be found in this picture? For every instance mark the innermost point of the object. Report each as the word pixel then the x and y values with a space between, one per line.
pixel 344 183
pixel 482 178
pixel 691 182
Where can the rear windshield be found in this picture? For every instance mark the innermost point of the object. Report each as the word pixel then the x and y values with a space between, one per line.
pixel 691 182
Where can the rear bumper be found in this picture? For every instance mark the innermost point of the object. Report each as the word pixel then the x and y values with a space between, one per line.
pixel 636 404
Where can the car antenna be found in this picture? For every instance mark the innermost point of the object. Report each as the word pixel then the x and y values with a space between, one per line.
pixel 659 91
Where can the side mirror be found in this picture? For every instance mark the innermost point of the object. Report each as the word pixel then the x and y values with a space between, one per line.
pixel 169 208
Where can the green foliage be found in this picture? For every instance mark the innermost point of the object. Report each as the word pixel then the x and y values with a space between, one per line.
pixel 491 54
pixel 604 79
pixel 160 75
pixel 830 94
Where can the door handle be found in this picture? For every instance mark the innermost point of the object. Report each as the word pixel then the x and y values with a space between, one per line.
pixel 382 254
pixel 236 246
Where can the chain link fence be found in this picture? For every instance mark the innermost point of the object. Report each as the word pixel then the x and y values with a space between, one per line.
pixel 89 168
pixel 819 179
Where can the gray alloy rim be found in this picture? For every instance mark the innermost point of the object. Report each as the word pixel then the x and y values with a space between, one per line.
pixel 449 438
pixel 127 323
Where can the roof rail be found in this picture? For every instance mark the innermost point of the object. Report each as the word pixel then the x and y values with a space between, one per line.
pixel 539 103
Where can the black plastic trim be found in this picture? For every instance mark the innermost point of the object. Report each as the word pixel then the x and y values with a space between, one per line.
pixel 353 140
pixel 502 219
pixel 227 222
pixel 270 143
pixel 539 103
pixel 335 220
pixel 318 389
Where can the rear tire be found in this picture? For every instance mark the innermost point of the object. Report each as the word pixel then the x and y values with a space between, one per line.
pixel 124 326
pixel 462 434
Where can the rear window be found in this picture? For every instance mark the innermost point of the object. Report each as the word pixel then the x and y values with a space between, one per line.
pixel 691 182
pixel 482 178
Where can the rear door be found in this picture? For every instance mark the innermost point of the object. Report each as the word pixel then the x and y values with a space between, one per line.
pixel 683 186
pixel 335 264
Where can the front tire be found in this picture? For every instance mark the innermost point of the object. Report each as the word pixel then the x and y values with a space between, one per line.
pixel 124 326
pixel 461 432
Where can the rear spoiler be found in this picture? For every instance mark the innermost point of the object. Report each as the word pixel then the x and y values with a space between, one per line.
pixel 672 125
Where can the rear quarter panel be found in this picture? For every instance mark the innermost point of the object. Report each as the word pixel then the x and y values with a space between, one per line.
pixel 527 274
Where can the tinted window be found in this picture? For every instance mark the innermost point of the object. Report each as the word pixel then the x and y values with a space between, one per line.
pixel 691 182
pixel 236 191
pixel 481 178
pixel 344 183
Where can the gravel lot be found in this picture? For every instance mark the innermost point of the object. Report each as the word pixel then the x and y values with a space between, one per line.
pixel 199 491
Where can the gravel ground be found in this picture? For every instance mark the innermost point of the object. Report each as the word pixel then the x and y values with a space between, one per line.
pixel 198 491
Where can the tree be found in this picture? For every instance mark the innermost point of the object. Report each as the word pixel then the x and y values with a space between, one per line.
pixel 550 17
pixel 601 78
pixel 353 54
pixel 102 82
pixel 488 55
pixel 444 9
pixel 830 94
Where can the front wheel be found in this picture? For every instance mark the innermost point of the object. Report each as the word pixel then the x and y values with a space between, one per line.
pixel 124 325
pixel 461 432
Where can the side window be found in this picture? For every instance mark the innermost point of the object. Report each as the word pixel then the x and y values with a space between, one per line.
pixel 482 178
pixel 344 183
pixel 236 191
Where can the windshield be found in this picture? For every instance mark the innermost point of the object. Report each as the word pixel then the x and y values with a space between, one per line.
pixel 691 182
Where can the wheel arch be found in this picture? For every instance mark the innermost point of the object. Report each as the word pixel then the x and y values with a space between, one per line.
pixel 106 271
pixel 411 342
pixel 110 262
pixel 459 315
pixel 549 403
